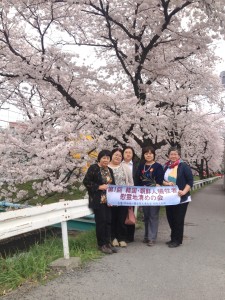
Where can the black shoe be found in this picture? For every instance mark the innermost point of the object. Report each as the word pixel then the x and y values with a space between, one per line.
pixel 105 249
pixel 169 242
pixel 151 243
pixel 174 245
pixel 114 250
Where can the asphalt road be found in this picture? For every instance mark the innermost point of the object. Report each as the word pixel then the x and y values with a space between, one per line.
pixel 193 271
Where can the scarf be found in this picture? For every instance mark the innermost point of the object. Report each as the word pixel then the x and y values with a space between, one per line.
pixel 172 176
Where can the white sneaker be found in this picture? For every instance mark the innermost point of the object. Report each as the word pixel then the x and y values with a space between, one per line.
pixel 115 243
pixel 123 244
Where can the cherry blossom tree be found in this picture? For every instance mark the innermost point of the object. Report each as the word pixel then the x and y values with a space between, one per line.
pixel 151 82
pixel 202 144
pixel 49 149
pixel 158 51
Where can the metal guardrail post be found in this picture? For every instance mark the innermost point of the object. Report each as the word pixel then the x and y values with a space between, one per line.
pixel 65 240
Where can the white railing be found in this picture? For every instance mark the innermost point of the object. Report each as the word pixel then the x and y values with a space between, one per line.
pixel 200 183
pixel 16 222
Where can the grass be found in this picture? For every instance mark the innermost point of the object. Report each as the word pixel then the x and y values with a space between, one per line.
pixel 32 266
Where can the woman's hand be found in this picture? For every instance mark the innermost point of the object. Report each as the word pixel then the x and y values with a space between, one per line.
pixel 170 183
pixel 184 191
pixel 181 193
pixel 103 187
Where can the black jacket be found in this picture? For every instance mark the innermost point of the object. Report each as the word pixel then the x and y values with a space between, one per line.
pixel 184 176
pixel 135 169
pixel 92 181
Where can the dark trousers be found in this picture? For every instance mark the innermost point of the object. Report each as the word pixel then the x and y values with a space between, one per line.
pixel 103 224
pixel 119 228
pixel 130 231
pixel 151 220
pixel 175 216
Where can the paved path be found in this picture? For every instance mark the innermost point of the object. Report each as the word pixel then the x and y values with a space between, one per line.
pixel 193 271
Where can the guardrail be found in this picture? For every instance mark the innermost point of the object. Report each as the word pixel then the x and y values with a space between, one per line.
pixel 200 183
pixel 16 222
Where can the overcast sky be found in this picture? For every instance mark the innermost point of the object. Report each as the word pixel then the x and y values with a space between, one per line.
pixel 221 52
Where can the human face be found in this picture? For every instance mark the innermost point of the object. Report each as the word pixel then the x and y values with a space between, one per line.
pixel 116 158
pixel 174 156
pixel 128 155
pixel 149 157
pixel 104 161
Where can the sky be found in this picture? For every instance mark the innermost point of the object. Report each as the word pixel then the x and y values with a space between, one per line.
pixel 220 51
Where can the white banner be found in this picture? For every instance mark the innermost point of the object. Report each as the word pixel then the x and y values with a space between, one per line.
pixel 142 195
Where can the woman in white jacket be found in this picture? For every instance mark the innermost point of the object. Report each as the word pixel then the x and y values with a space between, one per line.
pixel 123 176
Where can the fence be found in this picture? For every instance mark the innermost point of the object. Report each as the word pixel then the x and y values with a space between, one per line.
pixel 16 222
pixel 28 219
pixel 200 183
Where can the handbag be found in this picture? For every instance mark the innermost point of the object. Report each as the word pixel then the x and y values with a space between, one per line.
pixel 130 219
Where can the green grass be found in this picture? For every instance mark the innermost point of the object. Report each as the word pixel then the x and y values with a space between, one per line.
pixel 32 266
pixel 162 211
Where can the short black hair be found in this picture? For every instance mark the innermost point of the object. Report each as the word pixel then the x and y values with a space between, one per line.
pixel 178 150
pixel 102 153
pixel 115 150
pixel 129 147
pixel 147 149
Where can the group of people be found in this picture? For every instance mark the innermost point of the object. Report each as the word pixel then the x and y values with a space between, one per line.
pixel 118 167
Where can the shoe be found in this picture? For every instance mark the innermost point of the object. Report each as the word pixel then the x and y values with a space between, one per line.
pixel 114 250
pixel 169 242
pixel 115 243
pixel 151 243
pixel 105 249
pixel 174 245
pixel 145 240
pixel 123 244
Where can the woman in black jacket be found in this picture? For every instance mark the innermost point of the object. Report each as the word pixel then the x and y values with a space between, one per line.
pixel 177 172
pixel 150 173
pixel 96 181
